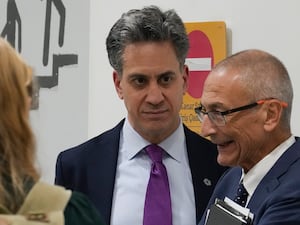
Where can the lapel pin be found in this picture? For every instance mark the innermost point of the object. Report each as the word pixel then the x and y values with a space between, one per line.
pixel 207 182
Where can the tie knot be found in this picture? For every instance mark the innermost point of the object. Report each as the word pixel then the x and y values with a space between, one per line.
pixel 154 152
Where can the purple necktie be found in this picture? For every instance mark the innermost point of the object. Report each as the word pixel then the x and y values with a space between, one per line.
pixel 157 210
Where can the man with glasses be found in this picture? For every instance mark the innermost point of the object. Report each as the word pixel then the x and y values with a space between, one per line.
pixel 245 110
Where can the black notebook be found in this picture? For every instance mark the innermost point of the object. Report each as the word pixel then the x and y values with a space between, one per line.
pixel 222 213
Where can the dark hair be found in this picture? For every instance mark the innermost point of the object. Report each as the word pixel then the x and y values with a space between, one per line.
pixel 146 24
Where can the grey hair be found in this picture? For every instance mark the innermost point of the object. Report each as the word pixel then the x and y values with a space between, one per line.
pixel 146 24
pixel 263 76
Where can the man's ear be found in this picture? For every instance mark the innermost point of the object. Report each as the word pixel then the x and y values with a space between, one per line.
pixel 185 75
pixel 117 83
pixel 273 115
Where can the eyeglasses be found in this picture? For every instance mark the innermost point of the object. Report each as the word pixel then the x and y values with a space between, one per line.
pixel 218 118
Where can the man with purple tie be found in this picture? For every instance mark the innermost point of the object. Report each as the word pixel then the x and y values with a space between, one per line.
pixel 147 49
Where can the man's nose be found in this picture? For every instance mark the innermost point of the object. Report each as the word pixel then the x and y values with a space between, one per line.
pixel 155 94
pixel 207 127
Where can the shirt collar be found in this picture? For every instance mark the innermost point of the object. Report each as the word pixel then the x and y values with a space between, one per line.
pixel 256 174
pixel 133 143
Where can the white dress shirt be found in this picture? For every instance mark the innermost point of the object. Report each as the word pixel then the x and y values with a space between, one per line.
pixel 256 174
pixel 133 172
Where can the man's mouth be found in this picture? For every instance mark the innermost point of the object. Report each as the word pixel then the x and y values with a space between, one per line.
pixel 224 144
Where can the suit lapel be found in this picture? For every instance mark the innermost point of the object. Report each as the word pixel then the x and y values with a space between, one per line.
pixel 271 181
pixel 202 154
pixel 102 180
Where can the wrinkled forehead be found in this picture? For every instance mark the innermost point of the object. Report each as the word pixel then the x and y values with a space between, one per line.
pixel 223 86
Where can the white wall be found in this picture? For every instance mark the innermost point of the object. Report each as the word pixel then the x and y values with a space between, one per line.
pixel 85 103
pixel 61 120
pixel 271 25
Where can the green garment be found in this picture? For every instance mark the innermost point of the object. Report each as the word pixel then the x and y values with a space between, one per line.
pixel 80 211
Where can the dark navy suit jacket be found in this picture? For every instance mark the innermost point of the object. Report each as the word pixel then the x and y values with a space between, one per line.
pixel 91 168
pixel 276 200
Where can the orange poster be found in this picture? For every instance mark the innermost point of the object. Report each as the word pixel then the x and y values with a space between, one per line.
pixel 207 47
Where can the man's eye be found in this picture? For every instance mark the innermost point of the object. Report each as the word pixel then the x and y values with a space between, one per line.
pixel 139 81
pixel 166 79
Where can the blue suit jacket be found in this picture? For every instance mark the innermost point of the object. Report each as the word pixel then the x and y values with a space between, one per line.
pixel 91 168
pixel 276 200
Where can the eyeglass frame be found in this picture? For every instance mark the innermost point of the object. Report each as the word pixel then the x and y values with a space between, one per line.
pixel 199 111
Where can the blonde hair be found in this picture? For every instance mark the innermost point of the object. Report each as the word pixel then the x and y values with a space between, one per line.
pixel 17 142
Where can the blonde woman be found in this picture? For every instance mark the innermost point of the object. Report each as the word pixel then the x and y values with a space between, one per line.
pixel 23 198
